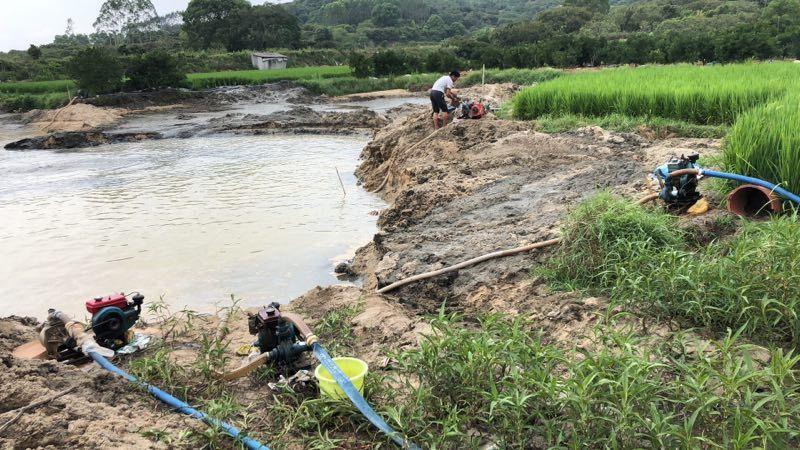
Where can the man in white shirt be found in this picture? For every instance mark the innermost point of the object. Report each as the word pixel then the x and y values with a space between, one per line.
pixel 443 87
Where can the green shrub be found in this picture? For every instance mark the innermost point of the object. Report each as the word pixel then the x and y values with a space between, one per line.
pixel 246 77
pixel 638 257
pixel 27 102
pixel 625 392
pixel 96 70
pixel 606 232
pixel 765 143
pixel 154 70
pixel 522 77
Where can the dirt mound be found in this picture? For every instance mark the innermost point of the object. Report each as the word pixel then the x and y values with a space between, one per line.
pixel 102 411
pixel 76 117
pixel 495 94
pixel 479 186
pixel 301 119
pixel 78 139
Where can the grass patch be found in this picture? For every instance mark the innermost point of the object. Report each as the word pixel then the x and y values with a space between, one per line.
pixel 765 143
pixel 640 257
pixel 38 87
pixel 701 95
pixel 517 76
pixel 503 384
pixel 246 77
pixel 653 126
pixel 335 328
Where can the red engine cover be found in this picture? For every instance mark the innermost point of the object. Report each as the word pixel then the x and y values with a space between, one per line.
pixel 99 303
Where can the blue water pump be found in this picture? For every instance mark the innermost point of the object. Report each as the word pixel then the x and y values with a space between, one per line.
pixel 678 190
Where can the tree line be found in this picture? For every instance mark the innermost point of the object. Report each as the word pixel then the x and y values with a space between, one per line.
pixel 574 33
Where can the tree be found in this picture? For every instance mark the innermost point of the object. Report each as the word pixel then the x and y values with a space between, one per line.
pixel 210 22
pixel 599 6
pixel 96 70
pixel 442 61
pixel 261 27
pixel 118 16
pixel 435 27
pixel 361 64
pixel 153 71
pixel 34 52
pixel 385 14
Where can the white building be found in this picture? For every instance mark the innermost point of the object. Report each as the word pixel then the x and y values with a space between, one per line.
pixel 269 61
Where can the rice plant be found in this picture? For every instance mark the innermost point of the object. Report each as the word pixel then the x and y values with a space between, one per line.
pixel 765 143
pixel 702 95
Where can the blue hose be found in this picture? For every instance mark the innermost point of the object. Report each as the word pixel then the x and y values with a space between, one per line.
pixel 743 179
pixel 179 405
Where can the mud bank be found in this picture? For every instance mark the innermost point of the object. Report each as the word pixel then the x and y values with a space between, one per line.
pixel 298 120
pixel 469 189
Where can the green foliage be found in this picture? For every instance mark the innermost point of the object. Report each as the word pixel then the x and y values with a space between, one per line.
pixel 361 64
pixel 336 330
pixel 765 143
pixel 443 61
pixel 604 232
pixel 154 70
pixel 34 52
pixel 640 258
pixel 27 102
pixel 523 77
pixel 237 25
pixel 385 14
pixel 96 70
pixel 626 393
pixel 118 17
pixel 703 95
pixel 245 77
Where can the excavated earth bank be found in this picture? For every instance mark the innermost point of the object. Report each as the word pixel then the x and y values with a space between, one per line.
pixel 469 189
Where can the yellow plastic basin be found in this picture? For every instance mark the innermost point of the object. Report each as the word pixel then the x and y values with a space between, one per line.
pixel 354 368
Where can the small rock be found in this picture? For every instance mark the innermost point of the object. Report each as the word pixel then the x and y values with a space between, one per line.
pixel 345 268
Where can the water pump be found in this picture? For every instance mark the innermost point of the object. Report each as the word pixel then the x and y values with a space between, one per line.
pixel 276 335
pixel 113 317
pixel 678 191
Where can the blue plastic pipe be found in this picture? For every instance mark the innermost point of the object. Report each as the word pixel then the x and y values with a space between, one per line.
pixel 743 179
pixel 179 405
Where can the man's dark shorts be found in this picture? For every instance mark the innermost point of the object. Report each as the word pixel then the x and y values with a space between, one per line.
pixel 437 101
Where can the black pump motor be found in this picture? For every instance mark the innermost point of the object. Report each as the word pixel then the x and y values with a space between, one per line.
pixel 679 190
pixel 276 335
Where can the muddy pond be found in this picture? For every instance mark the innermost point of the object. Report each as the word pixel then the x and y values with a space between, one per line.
pixel 192 220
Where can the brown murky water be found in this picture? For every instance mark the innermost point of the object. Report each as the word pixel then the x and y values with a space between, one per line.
pixel 194 220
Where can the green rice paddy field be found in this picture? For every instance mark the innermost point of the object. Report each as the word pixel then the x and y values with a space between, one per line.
pixel 758 100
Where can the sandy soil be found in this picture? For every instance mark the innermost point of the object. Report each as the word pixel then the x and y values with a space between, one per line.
pixel 475 186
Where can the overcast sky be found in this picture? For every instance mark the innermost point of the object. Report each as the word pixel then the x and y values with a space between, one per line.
pixel 26 22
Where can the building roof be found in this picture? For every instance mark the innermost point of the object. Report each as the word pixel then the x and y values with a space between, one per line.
pixel 269 55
